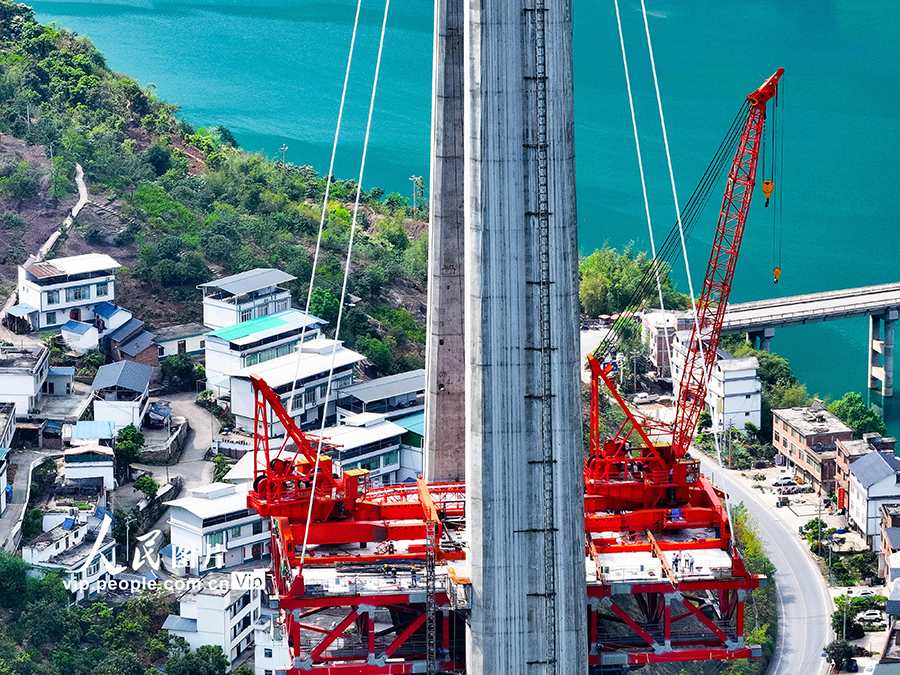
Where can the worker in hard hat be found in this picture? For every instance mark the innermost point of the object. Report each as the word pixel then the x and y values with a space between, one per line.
pixel 413 576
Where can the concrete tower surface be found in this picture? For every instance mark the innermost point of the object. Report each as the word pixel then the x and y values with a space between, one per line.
pixel 445 395
pixel 525 505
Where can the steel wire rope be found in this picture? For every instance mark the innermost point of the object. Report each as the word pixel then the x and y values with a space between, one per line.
pixel 691 212
pixel 337 331
pixel 687 266
pixel 328 179
pixel 637 145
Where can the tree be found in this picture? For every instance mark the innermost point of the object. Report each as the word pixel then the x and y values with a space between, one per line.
pixel 325 305
pixel 704 421
pixel 13 580
pixel 852 411
pixel 206 660
pixel 839 652
pixel 147 485
pixel 221 467
pixel 129 442
pixel 180 369
pixel 244 670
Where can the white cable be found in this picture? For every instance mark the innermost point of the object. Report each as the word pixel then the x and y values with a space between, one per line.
pixel 312 277
pixel 687 266
pixel 637 145
pixel 362 167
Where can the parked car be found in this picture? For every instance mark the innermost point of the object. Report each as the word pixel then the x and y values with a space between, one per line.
pixel 870 615
pixel 644 397
pixel 782 481
pixel 865 593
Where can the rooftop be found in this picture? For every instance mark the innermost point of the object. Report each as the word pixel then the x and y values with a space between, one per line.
pixel 207 507
pixel 49 538
pixel 135 345
pixel 265 326
pixel 414 423
pixel 732 364
pixel 386 387
pixel 61 371
pixel 78 327
pixel 21 357
pixel 315 358
pixel 126 329
pixel 79 264
pixel 184 330
pixel 86 449
pixel 252 280
pixel 358 430
pixel 811 420
pixel 874 467
pixel 90 429
pixel 107 309
pixel 123 374
pixel 75 557
pixel 854 448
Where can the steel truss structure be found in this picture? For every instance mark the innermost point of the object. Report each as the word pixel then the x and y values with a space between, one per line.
pixel 646 504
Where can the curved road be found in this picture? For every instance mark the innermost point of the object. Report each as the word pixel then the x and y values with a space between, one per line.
pixel 804 605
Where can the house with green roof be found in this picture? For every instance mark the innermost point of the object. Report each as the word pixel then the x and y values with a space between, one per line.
pixel 256 341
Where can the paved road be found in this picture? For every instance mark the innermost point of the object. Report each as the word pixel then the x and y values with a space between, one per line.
pixel 15 509
pixel 804 603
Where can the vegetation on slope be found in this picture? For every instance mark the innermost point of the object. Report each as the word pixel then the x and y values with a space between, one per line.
pixel 192 205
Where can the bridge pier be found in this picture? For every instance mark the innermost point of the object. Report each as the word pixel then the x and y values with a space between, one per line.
pixel 881 352
pixel 761 339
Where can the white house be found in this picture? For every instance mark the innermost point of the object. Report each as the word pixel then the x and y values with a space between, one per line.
pixel 393 396
pixel 53 291
pixel 121 393
pixel 90 461
pixel 73 549
pixel 658 329
pixel 214 613
pixel 7 423
pixel 734 393
pixel 874 480
pixel 79 336
pixel 212 528
pixel 60 381
pixel 369 441
pixel 256 341
pixel 108 317
pixel 309 373
pixel 245 296
pixel 22 376
pixel 271 656
pixel 186 338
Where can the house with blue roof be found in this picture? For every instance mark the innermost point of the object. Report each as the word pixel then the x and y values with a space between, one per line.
pixel 79 336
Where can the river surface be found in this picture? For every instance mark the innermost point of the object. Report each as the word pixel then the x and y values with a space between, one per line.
pixel 272 72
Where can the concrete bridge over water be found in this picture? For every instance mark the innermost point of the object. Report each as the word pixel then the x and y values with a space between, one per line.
pixel 881 304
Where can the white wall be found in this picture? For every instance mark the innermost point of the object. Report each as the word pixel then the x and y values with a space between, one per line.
pixel 281 654
pixel 37 296
pixel 22 389
pixel 104 470
pixel 121 413
pixel 218 314
pixel 215 623
pixel 82 343
pixel 194 345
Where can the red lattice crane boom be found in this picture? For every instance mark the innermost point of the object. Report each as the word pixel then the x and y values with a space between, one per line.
pixel 710 309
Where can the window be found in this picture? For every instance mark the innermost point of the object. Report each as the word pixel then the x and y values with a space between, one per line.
pixel 236 532
pixel 52 297
pixel 51 318
pixel 78 293
pixel 182 346
pixel 267 672
pixel 282 306
pixel 262 310
pixel 298 401
pixel 257 527
pixel 310 396
pixel 94 568
pixel 323 389
pixel 162 351
pixel 215 538
pixel 102 289
pixel 251 359
pixel 748 397
pixel 267 653
pixel 202 344
pixel 776 437
pixel 371 464
pixel 246 315
pixel 392 457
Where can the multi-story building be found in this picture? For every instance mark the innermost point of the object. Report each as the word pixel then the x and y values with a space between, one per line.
pixel 271 653
pixel 734 393
pixel 256 341
pixel 369 441
pixel 55 291
pixel 69 549
pixel 212 528
pixel 658 329
pixel 890 536
pixel 850 451
pixel 245 296
pixel 874 480
pixel 214 613
pixel 22 376
pixel 306 376
pixel 122 393
pixel 7 423
pixel 90 461
pixel 392 396
pixel 806 439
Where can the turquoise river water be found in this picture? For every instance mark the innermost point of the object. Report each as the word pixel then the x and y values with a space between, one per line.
pixel 272 72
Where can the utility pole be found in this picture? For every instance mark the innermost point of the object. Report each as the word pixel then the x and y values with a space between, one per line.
pixel 284 150
pixel 820 525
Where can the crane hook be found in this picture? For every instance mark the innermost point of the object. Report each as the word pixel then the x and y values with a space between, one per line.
pixel 777 273
pixel 767 188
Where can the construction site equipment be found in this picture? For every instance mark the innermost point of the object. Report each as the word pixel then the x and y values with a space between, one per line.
pixel 668 583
